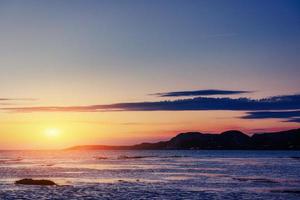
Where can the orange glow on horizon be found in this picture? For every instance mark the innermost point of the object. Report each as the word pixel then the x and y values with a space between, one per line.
pixel 62 130
pixel 52 132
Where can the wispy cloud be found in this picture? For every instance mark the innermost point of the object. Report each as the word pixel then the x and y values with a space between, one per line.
pixel 14 101
pixel 208 92
pixel 289 116
pixel 271 114
pixel 18 99
pixel 287 102
pixel 220 35
pixel 286 107
pixel 295 120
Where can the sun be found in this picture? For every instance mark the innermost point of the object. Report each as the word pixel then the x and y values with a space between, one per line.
pixel 52 132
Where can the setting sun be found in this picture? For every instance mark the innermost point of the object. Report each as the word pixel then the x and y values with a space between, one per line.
pixel 52 132
pixel 108 99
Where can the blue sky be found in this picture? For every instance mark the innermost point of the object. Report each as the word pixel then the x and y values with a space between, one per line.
pixel 85 55
pixel 163 45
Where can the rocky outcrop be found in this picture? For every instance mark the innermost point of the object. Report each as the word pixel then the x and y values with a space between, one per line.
pixel 29 181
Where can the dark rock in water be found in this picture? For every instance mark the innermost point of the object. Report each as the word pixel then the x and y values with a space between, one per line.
pixel 101 158
pixel 175 156
pixel 133 157
pixel 286 191
pixel 296 157
pixel 29 181
pixel 259 180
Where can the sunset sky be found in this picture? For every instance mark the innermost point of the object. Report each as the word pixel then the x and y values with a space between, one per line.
pixel 130 71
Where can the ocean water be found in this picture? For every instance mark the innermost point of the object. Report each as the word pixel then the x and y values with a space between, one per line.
pixel 152 174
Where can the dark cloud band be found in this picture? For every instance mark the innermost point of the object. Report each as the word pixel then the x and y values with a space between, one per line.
pixel 282 107
pixel 288 102
pixel 272 114
pixel 295 120
pixel 200 93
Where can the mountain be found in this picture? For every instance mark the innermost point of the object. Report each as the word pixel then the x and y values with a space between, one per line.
pixel 195 140
pixel 281 140
pixel 233 139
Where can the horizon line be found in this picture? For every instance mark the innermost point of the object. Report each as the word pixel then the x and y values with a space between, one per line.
pixel 129 145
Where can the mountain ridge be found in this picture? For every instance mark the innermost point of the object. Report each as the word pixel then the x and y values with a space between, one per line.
pixel 228 140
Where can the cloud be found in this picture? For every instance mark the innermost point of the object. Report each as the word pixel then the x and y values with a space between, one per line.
pixel 287 102
pixel 271 114
pixel 200 93
pixel 289 116
pixel 295 120
pixel 286 107
pixel 12 101
pixel 18 99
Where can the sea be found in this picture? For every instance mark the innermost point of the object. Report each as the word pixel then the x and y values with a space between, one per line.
pixel 157 174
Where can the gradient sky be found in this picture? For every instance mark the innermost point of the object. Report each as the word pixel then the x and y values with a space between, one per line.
pixel 81 53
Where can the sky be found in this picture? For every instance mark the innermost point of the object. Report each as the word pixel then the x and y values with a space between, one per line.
pixel 130 71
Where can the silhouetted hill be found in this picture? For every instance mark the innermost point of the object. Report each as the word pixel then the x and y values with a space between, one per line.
pixel 235 140
pixel 193 140
pixel 232 139
pixel 149 146
pixel 280 140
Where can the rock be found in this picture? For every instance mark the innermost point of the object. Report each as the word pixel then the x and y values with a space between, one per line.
pixel 259 180
pixel 101 158
pixel 287 191
pixel 29 181
pixel 295 157
pixel 122 157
